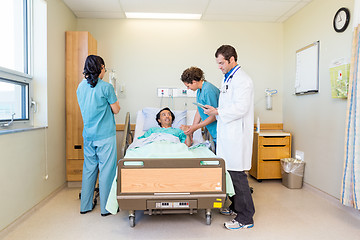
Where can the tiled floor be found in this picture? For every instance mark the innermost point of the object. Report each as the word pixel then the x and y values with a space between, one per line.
pixel 281 213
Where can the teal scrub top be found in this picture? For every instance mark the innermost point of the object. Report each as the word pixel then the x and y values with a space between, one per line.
pixel 177 132
pixel 98 118
pixel 208 95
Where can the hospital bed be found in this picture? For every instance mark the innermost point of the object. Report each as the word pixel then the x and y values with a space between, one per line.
pixel 167 185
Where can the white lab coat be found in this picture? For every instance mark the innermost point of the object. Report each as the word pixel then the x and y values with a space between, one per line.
pixel 235 126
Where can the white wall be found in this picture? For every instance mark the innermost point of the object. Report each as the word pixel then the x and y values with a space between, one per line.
pixel 148 54
pixel 23 155
pixel 317 121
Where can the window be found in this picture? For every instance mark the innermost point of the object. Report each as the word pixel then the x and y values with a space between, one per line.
pixel 14 98
pixel 15 76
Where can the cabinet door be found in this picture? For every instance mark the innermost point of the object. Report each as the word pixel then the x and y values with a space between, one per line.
pixel 74 170
pixel 78 46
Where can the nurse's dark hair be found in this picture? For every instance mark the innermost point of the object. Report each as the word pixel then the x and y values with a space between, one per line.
pixel 192 73
pixel 92 69
pixel 227 51
pixel 158 115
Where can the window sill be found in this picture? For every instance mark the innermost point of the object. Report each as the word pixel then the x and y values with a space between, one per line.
pixel 10 130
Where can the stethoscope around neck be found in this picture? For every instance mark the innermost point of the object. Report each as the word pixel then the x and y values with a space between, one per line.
pixel 225 86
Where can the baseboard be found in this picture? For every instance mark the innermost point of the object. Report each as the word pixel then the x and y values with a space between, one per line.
pixel 333 200
pixel 28 213
pixel 74 184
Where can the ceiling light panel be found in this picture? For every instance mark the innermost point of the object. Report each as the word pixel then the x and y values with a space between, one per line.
pixel 164 6
pixel 163 15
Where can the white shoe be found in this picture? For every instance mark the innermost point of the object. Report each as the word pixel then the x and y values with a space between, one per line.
pixel 235 225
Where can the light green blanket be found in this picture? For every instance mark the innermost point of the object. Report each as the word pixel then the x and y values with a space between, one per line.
pixel 163 149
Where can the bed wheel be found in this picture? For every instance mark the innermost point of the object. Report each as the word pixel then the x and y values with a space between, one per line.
pixel 208 216
pixel 208 219
pixel 132 221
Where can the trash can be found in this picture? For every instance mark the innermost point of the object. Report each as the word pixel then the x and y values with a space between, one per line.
pixel 292 172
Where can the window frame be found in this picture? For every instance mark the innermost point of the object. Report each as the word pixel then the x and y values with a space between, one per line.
pixel 22 78
pixel 25 105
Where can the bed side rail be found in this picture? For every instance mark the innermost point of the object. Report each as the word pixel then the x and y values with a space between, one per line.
pixel 127 137
pixel 207 136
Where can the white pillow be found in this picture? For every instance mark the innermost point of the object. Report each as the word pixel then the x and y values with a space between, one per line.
pixel 150 118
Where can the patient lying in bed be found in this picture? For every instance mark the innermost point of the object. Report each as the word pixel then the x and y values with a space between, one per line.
pixel 165 118
pixel 158 142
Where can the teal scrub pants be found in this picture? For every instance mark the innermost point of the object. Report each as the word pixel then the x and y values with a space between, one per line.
pixel 99 156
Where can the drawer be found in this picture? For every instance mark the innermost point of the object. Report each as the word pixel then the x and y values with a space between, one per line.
pixel 269 169
pixel 74 168
pixel 274 140
pixel 274 152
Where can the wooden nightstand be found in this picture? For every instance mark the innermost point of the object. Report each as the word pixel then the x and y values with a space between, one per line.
pixel 269 147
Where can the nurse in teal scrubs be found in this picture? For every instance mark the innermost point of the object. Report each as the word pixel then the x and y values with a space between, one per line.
pixel 98 104
pixel 206 94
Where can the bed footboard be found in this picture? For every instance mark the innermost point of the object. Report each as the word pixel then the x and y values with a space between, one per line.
pixel 161 186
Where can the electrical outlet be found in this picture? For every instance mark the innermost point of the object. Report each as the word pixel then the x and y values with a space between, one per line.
pixel 164 92
pixel 299 155
pixel 175 92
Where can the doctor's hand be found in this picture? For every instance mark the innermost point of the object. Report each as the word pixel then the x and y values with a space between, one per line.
pixel 184 127
pixel 210 110
pixel 191 129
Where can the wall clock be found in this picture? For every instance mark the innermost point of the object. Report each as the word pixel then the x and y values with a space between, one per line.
pixel 341 19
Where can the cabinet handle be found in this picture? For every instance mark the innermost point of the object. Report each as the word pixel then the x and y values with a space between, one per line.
pixel 274 136
pixel 271 160
pixel 274 145
pixel 77 147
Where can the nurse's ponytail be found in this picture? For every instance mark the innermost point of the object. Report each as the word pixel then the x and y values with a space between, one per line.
pixel 92 69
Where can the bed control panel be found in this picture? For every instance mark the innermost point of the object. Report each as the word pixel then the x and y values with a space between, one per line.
pixel 171 204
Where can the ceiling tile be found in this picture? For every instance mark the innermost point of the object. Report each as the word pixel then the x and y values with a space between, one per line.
pixel 93 5
pixel 250 8
pixel 220 10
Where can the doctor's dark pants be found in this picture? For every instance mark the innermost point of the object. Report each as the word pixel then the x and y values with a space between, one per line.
pixel 242 202
pixel 99 156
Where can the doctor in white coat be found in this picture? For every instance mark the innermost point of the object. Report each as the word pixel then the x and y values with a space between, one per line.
pixel 235 116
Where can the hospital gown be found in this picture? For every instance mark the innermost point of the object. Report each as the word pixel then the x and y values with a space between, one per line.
pixel 173 131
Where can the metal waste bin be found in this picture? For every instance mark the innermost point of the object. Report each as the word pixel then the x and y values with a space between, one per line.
pixel 292 172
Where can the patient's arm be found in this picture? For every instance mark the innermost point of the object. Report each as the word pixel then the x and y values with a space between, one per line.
pixel 188 140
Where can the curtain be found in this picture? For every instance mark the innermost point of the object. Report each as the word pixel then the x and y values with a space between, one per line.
pixel 350 190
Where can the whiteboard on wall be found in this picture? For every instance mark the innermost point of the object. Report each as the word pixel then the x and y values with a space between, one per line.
pixel 307 69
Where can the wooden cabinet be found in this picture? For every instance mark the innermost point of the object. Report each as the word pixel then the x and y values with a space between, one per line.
pixel 269 147
pixel 78 46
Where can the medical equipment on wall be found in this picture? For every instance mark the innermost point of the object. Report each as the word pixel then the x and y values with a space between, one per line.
pixel 112 79
pixel 269 94
pixel 258 125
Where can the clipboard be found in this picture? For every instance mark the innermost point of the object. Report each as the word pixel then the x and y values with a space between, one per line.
pixel 199 105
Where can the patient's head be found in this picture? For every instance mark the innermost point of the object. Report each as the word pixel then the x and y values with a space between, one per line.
pixel 165 118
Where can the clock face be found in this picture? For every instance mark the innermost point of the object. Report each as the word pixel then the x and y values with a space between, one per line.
pixel 341 19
